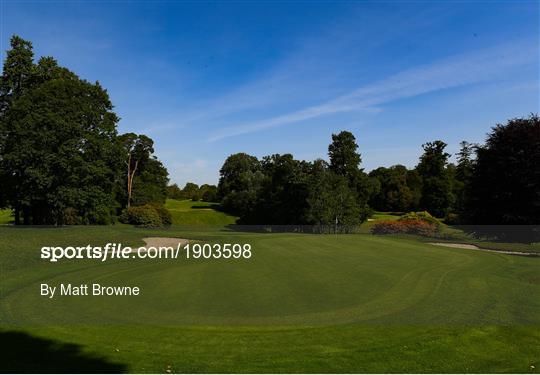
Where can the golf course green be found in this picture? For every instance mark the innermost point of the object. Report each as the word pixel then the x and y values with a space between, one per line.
pixel 301 303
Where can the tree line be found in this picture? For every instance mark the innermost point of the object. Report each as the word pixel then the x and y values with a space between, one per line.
pixel 497 183
pixel 62 160
pixel 191 190
pixel 280 190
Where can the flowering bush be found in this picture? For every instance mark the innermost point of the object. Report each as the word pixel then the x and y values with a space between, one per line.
pixel 410 226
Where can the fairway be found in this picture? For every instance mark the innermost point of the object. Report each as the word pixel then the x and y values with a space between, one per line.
pixel 353 300
pixel 188 212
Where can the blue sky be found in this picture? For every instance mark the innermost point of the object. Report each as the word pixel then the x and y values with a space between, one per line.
pixel 206 80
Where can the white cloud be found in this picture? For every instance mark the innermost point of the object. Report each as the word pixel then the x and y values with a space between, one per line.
pixel 460 70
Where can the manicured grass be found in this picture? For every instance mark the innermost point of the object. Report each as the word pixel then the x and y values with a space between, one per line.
pixel 302 303
pixel 338 349
pixel 384 216
pixel 187 212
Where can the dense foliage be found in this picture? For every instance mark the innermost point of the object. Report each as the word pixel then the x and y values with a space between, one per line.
pixel 493 184
pixel 280 190
pixel 148 216
pixel 436 194
pixel 399 189
pixel 431 186
pixel 504 187
pixel 61 160
pixel 205 192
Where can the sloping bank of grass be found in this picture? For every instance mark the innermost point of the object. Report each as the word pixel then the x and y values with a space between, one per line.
pixel 188 212
pixel 301 303
pixel 456 235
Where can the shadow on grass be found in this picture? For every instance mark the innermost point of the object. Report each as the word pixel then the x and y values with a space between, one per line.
pixel 22 353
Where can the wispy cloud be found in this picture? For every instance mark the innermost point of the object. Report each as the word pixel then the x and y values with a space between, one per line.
pixel 460 70
pixel 314 66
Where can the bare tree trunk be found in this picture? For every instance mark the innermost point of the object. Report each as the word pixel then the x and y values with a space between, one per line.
pixel 131 174
pixel 129 180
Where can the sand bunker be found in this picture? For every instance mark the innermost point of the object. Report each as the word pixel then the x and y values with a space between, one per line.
pixel 164 242
pixel 474 247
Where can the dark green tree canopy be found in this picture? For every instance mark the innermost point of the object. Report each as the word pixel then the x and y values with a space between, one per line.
pixel 280 190
pixel 344 158
pixel 208 193
pixel 150 183
pixel 433 160
pixel 464 168
pixel 61 161
pixel 17 72
pixel 236 172
pixel 437 197
pixel 240 181
pixel 59 152
pixel 394 194
pixel 505 184
pixel 192 191
pixel 144 177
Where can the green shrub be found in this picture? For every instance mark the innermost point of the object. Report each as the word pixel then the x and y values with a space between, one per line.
pixel 70 216
pixel 408 226
pixel 164 215
pixel 422 216
pixel 209 196
pixel 452 219
pixel 142 216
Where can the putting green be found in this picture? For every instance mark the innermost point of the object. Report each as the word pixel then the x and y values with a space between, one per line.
pixel 327 293
pixel 291 279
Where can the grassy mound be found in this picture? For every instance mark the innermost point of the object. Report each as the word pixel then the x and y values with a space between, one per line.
pixel 188 212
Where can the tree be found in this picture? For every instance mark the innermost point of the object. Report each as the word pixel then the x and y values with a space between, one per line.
pixel 462 176
pixel 239 183
pixel 414 182
pixel 17 72
pixel 150 183
pixel 174 192
pixel 208 193
pixel 436 185
pixel 505 183
pixel 191 191
pixel 394 194
pixel 332 204
pixel 138 149
pixel 17 69
pixel 464 168
pixel 282 198
pixel 344 159
pixel 59 155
